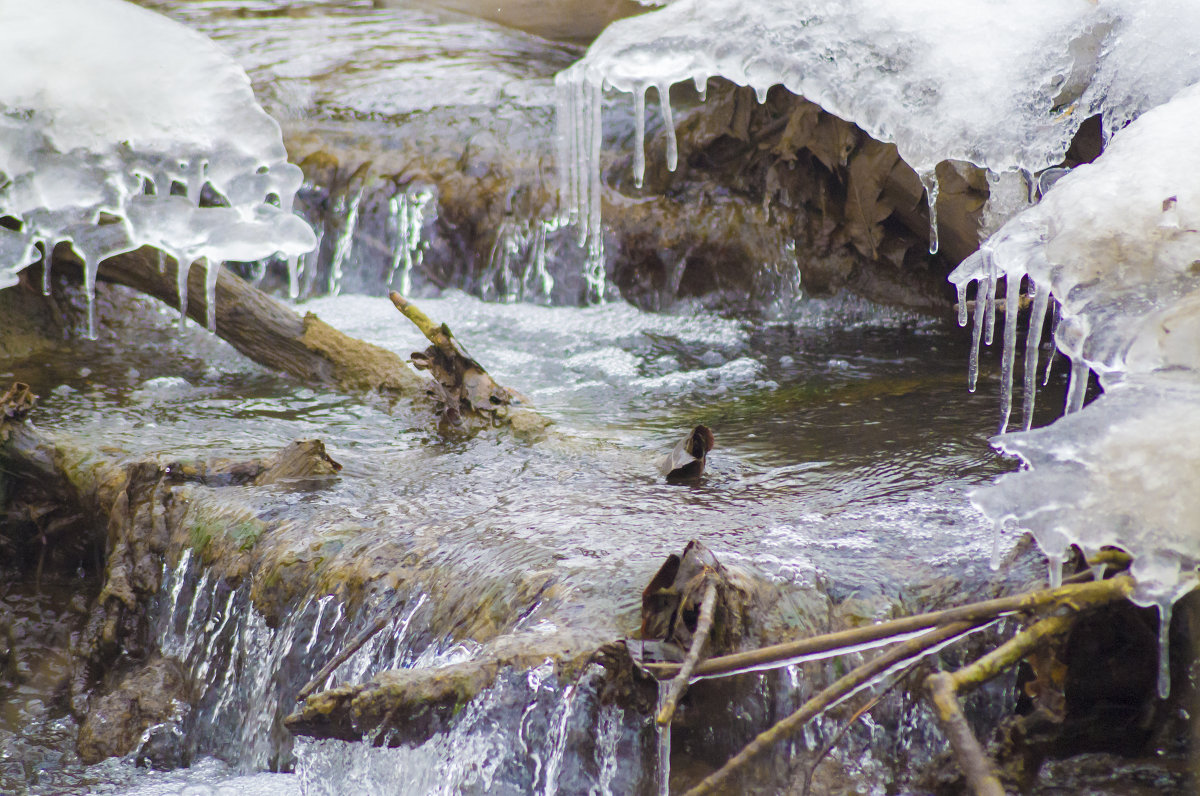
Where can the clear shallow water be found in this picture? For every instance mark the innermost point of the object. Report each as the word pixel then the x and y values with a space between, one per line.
pixel 846 443
pixel 842 449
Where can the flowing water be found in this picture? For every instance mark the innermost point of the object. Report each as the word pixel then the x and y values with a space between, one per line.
pixel 846 441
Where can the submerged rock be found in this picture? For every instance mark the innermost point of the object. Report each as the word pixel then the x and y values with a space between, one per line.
pixel 144 712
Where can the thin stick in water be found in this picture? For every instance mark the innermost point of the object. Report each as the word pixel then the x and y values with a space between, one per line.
pixel 699 639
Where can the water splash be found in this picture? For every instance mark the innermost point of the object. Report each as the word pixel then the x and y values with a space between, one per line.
pixel 345 239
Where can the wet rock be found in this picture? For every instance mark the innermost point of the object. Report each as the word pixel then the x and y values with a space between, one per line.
pixel 143 713
pixel 304 460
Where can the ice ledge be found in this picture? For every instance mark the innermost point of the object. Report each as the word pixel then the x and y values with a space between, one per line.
pixel 109 139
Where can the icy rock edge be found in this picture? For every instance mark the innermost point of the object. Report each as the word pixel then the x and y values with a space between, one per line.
pixel 111 137
pixel 1004 86
pixel 1117 244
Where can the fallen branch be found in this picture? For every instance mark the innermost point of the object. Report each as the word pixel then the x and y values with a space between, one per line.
pixel 461 388
pixel 263 328
pixel 699 640
pixel 830 695
pixel 337 660
pixel 943 688
pixel 1074 595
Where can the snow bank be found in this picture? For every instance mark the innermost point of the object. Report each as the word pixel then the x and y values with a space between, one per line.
pixel 113 122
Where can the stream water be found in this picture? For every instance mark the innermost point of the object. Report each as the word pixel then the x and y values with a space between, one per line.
pixel 846 441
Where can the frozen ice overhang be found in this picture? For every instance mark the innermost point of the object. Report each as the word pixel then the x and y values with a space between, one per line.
pixel 1117 244
pixel 1002 85
pixel 114 121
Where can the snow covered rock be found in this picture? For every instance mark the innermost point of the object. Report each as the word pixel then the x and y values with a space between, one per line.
pixel 110 137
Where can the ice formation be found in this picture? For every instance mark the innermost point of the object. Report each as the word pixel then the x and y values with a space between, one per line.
pixel 1114 246
pixel 1002 85
pixel 1117 244
pixel 110 138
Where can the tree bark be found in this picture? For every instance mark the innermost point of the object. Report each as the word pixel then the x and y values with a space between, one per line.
pixel 265 329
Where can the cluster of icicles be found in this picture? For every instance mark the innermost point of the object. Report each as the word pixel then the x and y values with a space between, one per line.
pixel 580 97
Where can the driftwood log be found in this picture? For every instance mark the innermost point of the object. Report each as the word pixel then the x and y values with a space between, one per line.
pixel 263 328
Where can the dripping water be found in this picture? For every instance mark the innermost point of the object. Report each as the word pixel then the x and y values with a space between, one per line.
pixel 930 181
pixel 662 766
pixel 639 136
pixel 344 244
pixel 1164 648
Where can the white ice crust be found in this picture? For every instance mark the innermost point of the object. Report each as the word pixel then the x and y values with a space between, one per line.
pixel 1117 244
pixel 1004 85
pixel 104 107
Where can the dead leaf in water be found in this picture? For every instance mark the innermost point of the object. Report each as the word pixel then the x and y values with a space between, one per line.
pixel 686 460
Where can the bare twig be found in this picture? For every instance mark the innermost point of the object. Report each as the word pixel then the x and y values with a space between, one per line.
pixel 699 640
pixel 341 657
pixel 943 688
pixel 1074 595
pixel 831 694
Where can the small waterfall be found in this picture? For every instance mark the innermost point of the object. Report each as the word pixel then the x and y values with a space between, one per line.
pixel 247 673
pixel 529 734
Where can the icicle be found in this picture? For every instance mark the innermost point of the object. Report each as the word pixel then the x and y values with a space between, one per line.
pixel 293 266
pixel 929 180
pixel 664 97
pixel 639 136
pixel 564 118
pixel 212 271
pixel 662 771
pixel 181 285
pixel 195 179
pixel 989 320
pixel 1164 648
pixel 1033 342
pixel 1012 299
pixel 997 526
pixel 595 254
pixel 981 287
pixel 1053 342
pixel 1078 386
pixel 583 163
pixel 701 86
pixel 962 304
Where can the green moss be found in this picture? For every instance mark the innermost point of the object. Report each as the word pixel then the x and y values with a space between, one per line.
pixel 246 533
pixel 202 531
